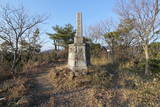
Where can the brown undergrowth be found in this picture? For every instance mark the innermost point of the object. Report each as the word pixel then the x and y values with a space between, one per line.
pixel 120 89
pixel 12 90
pixel 96 87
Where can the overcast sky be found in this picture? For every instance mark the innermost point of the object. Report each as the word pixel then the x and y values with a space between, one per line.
pixel 63 12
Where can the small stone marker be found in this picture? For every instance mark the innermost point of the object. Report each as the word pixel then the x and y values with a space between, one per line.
pixel 79 52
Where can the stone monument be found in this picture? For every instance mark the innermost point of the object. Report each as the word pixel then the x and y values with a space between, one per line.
pixel 79 52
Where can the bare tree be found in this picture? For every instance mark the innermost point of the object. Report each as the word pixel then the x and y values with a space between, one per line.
pixel 96 32
pixel 14 26
pixel 114 36
pixel 145 14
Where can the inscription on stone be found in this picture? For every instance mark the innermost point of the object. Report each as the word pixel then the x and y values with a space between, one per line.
pixel 79 31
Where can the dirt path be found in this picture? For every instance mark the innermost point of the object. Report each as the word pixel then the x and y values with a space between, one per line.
pixel 40 86
pixel 71 98
pixel 42 91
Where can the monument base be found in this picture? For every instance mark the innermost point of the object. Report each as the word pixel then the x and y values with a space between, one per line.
pixel 78 58
pixel 80 68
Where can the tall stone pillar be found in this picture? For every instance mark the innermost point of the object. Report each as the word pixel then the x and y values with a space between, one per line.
pixel 79 52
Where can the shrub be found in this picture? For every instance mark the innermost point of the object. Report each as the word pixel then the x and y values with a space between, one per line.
pixel 154 65
pixel 4 75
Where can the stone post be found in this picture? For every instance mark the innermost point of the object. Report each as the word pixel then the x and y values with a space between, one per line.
pixel 79 53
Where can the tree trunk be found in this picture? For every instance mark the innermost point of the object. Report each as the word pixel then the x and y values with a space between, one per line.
pixel 14 62
pixel 113 56
pixel 55 45
pixel 13 68
pixel 146 59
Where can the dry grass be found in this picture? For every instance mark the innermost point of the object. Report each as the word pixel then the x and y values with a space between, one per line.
pixel 101 88
pixel 132 91
pixel 121 89
pixel 100 61
pixel 19 89
pixel 63 79
pixel 17 92
pixel 4 75
pixel 13 90
pixel 30 66
pixel 50 103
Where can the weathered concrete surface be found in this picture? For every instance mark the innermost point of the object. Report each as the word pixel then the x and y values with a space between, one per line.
pixel 79 52
pixel 78 58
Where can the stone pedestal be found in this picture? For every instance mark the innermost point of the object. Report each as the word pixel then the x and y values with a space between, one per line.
pixel 78 58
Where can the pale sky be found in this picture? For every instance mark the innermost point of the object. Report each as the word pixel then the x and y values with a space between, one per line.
pixel 63 12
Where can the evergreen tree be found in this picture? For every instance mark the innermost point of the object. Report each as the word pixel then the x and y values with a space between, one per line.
pixel 62 36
